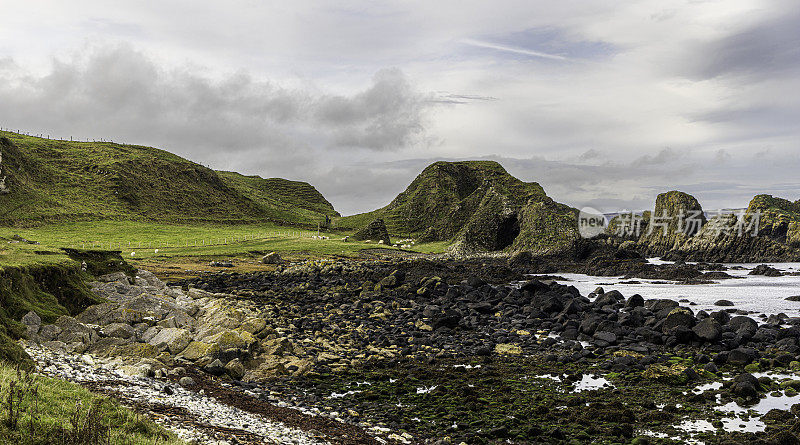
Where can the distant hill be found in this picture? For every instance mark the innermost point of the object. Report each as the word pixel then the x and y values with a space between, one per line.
pixel 478 206
pixel 50 181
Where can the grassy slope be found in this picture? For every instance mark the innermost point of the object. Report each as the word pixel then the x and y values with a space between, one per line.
pixel 442 190
pixel 47 413
pixel 288 199
pixel 54 181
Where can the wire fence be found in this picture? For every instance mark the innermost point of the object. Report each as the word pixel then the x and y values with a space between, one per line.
pixel 57 138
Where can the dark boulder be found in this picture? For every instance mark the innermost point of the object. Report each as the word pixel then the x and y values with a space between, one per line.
pixel 708 330
pixel 605 338
pixel 746 386
pixel 766 271
pixel 744 326
pixel 635 300
pixel 680 317
pixel 724 303
pixel 741 356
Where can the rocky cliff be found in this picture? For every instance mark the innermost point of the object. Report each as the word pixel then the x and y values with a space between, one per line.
pixel 769 230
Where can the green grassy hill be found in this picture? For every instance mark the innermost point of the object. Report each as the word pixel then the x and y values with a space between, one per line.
pixel 443 196
pixel 56 181
pixel 476 206
pixel 293 198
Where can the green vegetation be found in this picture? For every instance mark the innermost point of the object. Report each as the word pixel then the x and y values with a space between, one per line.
pixel 441 199
pixel 780 218
pixel 55 181
pixel 40 410
pixel 288 199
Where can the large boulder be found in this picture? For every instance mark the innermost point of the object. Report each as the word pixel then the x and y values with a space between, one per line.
pixel 32 323
pixel 272 258
pixel 198 350
pixel 118 330
pixel 174 340
pixel 679 317
pixel 708 330
pixel 744 326
pixel 375 231
pixel 228 339
pixel 73 331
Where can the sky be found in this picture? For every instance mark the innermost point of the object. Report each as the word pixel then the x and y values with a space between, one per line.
pixel 604 103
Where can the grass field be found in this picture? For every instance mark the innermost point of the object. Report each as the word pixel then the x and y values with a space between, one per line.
pixel 190 246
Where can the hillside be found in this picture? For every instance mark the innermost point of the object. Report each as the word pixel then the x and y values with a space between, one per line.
pixel 478 206
pixel 440 198
pixel 53 181
pixel 291 197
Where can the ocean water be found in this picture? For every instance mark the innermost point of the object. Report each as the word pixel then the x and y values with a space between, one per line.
pixel 755 294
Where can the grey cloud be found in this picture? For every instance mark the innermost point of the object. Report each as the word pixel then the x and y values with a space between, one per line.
pixel 770 47
pixel 665 155
pixel 120 92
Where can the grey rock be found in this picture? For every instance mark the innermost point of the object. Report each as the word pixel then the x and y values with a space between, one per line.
pixel 49 332
pixel 215 368
pixel 272 258
pixel 742 325
pixel 174 340
pixel 119 330
pixel 186 381
pixel 708 330
pixel 32 319
pixel 74 331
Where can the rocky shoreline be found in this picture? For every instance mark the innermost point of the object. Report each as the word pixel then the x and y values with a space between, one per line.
pixel 371 346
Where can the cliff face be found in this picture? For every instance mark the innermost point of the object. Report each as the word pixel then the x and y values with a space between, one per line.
pixel 769 230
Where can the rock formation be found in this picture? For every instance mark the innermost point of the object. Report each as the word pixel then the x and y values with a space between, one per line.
pixel 480 207
pixel 376 231
pixel 676 218
pixel 769 230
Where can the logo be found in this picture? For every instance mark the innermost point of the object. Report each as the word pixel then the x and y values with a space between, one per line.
pixel 591 222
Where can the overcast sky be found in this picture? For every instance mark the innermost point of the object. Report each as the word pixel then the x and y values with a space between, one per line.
pixel 605 103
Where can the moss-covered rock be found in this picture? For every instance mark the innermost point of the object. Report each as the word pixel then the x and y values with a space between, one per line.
pixel 442 199
pixel 199 349
pixel 676 218
pixel 769 230
pixel 674 374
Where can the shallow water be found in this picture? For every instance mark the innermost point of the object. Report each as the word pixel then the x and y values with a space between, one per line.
pixel 757 294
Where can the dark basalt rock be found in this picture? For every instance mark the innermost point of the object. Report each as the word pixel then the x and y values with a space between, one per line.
pixel 741 357
pixel 679 317
pixel 745 386
pixel 708 330
pixel 766 271
pixel 742 325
